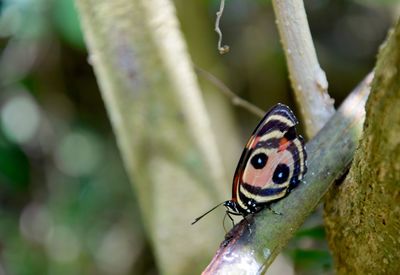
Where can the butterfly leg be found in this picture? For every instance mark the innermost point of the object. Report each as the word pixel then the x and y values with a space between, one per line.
pixel 223 221
pixel 248 223
pixel 229 213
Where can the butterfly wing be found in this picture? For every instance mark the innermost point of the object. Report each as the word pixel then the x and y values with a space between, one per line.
pixel 272 163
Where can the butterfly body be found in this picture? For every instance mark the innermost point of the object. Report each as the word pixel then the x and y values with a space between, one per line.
pixel 272 163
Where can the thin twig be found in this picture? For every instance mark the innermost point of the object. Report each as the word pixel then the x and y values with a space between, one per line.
pixel 236 100
pixel 222 49
pixel 308 79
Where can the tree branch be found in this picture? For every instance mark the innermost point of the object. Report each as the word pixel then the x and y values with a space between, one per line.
pixel 236 100
pixel 362 215
pixel 308 79
pixel 161 125
pixel 251 246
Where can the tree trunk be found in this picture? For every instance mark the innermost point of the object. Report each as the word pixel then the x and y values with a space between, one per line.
pixel 362 215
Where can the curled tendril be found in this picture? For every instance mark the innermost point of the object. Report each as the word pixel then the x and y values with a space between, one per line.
pixel 225 48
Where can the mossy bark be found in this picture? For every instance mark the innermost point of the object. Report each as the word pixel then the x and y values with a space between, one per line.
pixel 362 215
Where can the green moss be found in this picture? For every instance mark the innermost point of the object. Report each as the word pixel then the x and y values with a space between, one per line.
pixel 362 214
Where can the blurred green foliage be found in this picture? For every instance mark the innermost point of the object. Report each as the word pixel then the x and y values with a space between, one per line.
pixel 14 166
pixel 67 23
pixel 308 249
pixel 66 203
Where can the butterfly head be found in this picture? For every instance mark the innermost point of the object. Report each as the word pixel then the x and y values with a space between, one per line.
pixel 231 205
pixel 250 207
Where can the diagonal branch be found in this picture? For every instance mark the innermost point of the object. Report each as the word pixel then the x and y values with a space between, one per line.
pixel 235 99
pixel 251 247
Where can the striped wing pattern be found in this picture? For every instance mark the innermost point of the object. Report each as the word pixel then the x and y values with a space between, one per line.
pixel 272 163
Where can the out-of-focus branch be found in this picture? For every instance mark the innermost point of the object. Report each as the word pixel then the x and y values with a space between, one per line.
pixel 308 79
pixel 160 122
pixel 236 100
pixel 252 245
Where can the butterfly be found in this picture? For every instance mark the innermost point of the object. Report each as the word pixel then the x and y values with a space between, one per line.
pixel 272 164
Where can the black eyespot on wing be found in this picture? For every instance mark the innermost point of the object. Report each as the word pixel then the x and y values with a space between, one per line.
pixel 259 160
pixel 281 173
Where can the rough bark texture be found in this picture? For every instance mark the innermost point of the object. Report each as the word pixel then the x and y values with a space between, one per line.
pixel 363 213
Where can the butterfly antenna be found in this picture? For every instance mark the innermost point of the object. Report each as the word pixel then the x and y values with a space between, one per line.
pixel 199 218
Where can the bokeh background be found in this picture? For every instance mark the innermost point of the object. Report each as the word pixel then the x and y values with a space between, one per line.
pixel 66 204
